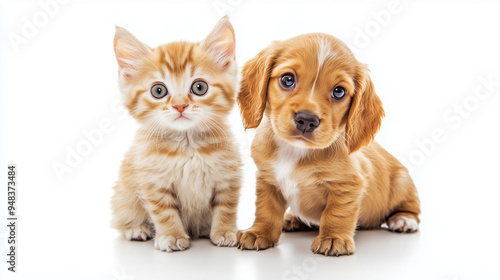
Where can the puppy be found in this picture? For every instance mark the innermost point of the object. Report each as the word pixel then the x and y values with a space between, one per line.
pixel 316 114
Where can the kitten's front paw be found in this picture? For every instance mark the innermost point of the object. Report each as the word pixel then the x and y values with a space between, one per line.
pixel 330 246
pixel 254 240
pixel 141 233
pixel 171 243
pixel 224 239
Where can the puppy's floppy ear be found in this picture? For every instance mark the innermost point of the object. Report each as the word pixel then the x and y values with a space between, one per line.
pixel 255 80
pixel 365 114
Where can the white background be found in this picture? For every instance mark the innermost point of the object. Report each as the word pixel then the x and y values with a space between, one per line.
pixel 427 61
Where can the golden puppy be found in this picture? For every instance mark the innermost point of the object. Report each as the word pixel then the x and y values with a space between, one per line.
pixel 316 113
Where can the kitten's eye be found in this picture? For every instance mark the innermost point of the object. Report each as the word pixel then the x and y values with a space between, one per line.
pixel 287 81
pixel 199 88
pixel 159 91
pixel 338 93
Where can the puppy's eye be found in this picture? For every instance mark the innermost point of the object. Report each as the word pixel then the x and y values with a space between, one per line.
pixel 159 90
pixel 338 93
pixel 287 81
pixel 199 88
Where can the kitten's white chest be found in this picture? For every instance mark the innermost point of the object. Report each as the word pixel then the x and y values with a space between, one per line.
pixel 194 190
pixel 193 179
pixel 194 184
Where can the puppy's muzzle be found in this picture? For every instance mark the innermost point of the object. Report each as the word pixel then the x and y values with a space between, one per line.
pixel 306 122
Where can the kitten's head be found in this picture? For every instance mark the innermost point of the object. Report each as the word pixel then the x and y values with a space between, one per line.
pixel 180 85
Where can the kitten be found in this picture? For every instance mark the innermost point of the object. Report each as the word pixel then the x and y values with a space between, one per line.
pixel 181 177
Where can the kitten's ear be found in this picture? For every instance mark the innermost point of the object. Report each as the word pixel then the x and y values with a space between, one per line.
pixel 221 42
pixel 129 53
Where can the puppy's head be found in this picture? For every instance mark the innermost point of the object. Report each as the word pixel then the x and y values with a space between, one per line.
pixel 314 92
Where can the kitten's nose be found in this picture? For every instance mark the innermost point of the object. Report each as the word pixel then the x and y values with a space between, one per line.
pixel 305 122
pixel 180 108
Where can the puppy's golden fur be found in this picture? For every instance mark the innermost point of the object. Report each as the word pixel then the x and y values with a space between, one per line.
pixel 335 177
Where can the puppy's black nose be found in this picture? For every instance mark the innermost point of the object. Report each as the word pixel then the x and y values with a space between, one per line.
pixel 305 122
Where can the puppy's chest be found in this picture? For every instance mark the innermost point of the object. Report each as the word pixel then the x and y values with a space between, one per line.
pixel 295 184
pixel 284 169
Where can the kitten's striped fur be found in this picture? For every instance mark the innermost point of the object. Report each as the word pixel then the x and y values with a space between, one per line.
pixel 181 178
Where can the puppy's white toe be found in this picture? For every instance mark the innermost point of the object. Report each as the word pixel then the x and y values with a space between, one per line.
pixel 402 223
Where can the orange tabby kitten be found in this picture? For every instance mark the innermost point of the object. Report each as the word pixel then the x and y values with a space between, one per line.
pixel 181 178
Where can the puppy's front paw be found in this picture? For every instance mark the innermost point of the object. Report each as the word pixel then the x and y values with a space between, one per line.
pixel 401 223
pixel 224 239
pixel 140 233
pixel 255 240
pixel 293 223
pixel 171 243
pixel 330 246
